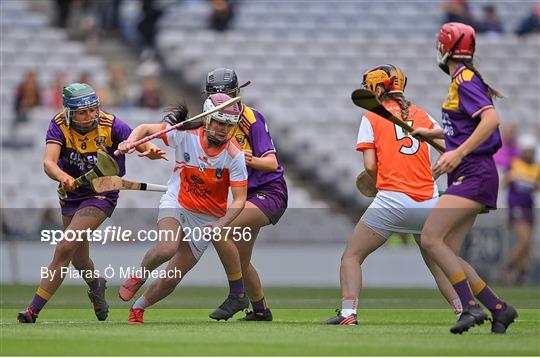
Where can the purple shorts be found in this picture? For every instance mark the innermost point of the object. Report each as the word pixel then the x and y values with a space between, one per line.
pixel 271 198
pixel 104 203
pixel 518 213
pixel 476 178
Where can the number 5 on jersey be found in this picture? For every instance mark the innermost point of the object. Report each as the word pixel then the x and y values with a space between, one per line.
pixel 400 135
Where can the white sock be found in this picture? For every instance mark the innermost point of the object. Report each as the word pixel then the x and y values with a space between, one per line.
pixel 143 274
pixel 456 305
pixel 348 306
pixel 140 303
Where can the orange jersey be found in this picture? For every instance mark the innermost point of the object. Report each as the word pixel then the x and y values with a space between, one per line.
pixel 199 180
pixel 403 162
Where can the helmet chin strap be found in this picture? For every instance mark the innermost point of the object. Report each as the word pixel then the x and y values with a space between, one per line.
pixel 443 62
pixel 212 139
pixel 78 128
pixel 84 130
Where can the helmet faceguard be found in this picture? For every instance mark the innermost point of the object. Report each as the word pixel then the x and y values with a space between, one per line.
pixel 223 80
pixel 77 97
pixel 456 41
pixel 229 116
pixel 390 77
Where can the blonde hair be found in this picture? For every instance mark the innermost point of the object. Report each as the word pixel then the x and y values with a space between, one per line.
pixel 404 103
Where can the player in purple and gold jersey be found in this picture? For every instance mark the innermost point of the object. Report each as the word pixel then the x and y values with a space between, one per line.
pixel 72 141
pixel 472 137
pixel 523 179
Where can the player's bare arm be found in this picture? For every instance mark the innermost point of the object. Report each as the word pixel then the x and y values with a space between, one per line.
pixel 489 122
pixel 151 151
pixel 437 134
pixel 51 168
pixel 440 141
pixel 268 163
pixel 239 194
pixel 138 133
pixel 434 133
pixel 370 162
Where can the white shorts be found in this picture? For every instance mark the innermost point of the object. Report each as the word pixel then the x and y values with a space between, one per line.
pixel 393 211
pixel 189 220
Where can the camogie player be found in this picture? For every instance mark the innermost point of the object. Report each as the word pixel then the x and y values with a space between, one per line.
pixel 472 137
pixel 266 203
pixel 209 162
pixel 400 164
pixel 73 138
pixel 523 180
pixel 266 200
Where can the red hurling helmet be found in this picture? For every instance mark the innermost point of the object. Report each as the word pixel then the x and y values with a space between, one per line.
pixel 455 41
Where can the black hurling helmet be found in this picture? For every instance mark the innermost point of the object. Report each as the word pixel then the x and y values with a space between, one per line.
pixel 222 80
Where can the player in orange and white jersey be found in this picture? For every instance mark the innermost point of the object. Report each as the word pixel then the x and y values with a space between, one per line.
pixel 401 166
pixel 209 162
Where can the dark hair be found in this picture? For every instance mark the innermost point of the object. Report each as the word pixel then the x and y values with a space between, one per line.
pixel 404 103
pixel 492 92
pixel 176 114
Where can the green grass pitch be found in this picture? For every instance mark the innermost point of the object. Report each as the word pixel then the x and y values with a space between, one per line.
pixel 392 322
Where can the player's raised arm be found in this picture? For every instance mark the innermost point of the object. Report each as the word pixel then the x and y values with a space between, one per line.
pixel 174 116
pixel 139 132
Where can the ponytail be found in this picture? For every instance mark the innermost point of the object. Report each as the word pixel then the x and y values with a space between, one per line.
pixel 178 114
pixel 404 103
pixel 175 114
pixel 492 92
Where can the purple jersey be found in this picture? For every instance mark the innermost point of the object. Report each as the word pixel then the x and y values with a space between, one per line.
pixel 78 153
pixel 466 99
pixel 252 134
pixel 505 155
pixel 521 189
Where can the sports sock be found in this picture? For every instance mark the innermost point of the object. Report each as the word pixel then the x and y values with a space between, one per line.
pixel 459 281
pixel 40 299
pixel 93 284
pixel 456 305
pixel 259 306
pixel 236 284
pixel 488 298
pixel 140 303
pixel 258 302
pixel 348 305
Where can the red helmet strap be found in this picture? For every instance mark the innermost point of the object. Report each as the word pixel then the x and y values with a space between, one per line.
pixel 389 85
